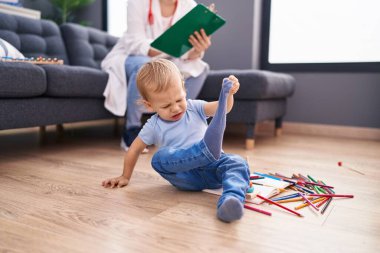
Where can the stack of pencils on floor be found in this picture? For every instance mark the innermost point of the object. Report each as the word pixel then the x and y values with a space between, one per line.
pixel 308 191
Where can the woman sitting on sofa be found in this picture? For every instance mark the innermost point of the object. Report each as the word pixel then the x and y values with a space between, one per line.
pixel 147 20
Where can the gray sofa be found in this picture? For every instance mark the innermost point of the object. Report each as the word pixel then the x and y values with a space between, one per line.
pixel 40 95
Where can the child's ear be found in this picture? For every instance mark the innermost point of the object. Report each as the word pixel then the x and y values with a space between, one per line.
pixel 147 105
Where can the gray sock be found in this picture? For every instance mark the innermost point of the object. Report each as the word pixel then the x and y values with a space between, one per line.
pixel 214 134
pixel 231 209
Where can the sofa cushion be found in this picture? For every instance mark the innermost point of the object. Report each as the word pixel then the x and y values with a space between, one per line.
pixel 70 81
pixel 254 84
pixel 86 46
pixel 33 37
pixel 21 80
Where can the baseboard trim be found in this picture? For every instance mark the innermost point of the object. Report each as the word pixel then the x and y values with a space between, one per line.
pixel 362 133
pixel 267 127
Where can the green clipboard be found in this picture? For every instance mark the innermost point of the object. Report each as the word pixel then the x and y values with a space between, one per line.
pixel 175 40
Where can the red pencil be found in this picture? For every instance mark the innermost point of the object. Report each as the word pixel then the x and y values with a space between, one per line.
pixel 332 195
pixel 274 203
pixel 255 177
pixel 257 210
pixel 323 201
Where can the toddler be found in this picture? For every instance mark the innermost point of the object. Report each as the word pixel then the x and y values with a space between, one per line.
pixel 189 153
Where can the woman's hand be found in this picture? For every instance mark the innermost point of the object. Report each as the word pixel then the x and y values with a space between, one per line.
pixel 153 52
pixel 200 42
pixel 211 7
pixel 115 182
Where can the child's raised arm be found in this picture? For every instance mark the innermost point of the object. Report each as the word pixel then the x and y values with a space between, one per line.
pixel 211 107
pixel 130 159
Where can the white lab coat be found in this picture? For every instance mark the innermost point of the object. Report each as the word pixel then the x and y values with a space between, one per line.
pixel 136 41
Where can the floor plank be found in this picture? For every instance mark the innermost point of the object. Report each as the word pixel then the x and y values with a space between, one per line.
pixel 51 199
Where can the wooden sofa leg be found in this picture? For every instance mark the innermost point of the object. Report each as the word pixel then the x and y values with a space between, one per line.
pixel 116 131
pixel 60 132
pixel 278 127
pixel 250 137
pixel 42 135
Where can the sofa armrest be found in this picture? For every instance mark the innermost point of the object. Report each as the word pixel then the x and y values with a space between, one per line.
pixel 86 46
pixel 20 79
pixel 254 84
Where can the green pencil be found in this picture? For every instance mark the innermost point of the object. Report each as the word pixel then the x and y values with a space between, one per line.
pixel 317 188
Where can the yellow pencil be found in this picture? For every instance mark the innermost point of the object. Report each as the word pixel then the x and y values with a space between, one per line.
pixel 306 204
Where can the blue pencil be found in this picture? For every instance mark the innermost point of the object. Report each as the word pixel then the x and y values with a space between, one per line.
pixel 304 189
pixel 269 176
pixel 290 196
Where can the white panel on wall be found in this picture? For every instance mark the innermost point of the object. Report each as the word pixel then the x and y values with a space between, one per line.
pixel 324 31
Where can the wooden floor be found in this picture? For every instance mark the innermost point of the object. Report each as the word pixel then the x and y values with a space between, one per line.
pixel 51 199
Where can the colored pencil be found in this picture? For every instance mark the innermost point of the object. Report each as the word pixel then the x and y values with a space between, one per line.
pixel 311 179
pixel 325 207
pixel 324 186
pixel 257 210
pixel 269 176
pixel 328 190
pixel 280 189
pixel 282 176
pixel 255 177
pixel 323 201
pixel 295 189
pixel 292 200
pixel 310 203
pixel 317 188
pixel 281 206
pixel 294 176
pixel 332 195
pixel 306 204
pixel 290 196
pixel 303 184
pixel 289 181
pixel 341 164
pixel 304 189
pixel 303 177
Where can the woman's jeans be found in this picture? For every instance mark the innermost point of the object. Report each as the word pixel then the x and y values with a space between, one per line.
pixel 134 111
pixel 194 169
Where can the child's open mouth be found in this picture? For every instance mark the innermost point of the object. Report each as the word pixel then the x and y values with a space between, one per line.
pixel 177 116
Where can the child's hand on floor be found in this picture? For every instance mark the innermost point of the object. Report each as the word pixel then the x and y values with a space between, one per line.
pixel 235 84
pixel 115 182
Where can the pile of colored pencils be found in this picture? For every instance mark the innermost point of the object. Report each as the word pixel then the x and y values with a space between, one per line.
pixel 314 193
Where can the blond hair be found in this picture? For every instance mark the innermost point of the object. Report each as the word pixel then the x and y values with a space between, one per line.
pixel 156 76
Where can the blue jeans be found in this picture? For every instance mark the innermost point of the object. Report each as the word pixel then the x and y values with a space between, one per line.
pixel 194 169
pixel 135 111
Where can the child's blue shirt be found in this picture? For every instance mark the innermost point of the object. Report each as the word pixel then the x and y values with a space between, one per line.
pixel 188 130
